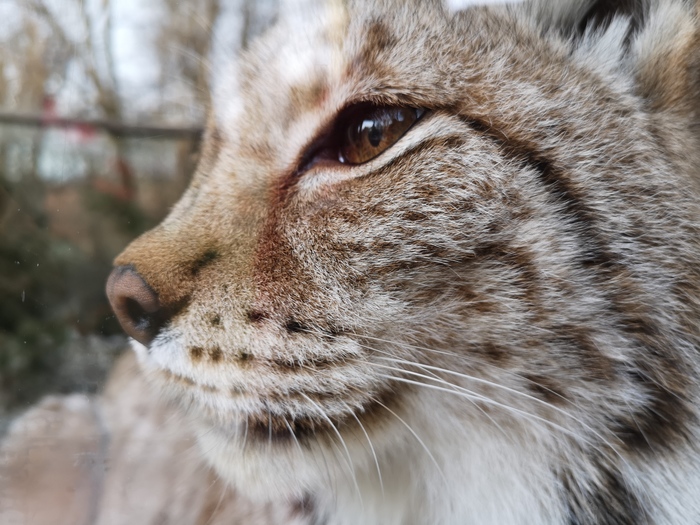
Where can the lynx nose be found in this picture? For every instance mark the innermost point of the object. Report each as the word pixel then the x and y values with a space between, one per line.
pixel 135 304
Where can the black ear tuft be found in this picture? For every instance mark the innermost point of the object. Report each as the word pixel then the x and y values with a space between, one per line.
pixel 602 12
pixel 577 18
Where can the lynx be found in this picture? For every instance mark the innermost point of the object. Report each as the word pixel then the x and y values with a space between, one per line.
pixel 440 265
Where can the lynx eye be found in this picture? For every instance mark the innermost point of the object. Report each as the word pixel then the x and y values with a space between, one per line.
pixel 372 130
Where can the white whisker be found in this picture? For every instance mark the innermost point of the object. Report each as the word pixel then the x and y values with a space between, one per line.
pixel 371 447
pixel 212 516
pixel 512 391
pixel 467 394
pixel 294 437
pixel 269 427
pixel 459 356
pixel 415 435
pixel 323 414
pixel 442 381
pixel 245 435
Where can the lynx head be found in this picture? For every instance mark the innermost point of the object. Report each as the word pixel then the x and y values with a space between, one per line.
pixel 419 235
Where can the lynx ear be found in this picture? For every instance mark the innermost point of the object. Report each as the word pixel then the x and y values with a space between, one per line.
pixel 657 42
pixel 666 57
pixel 569 16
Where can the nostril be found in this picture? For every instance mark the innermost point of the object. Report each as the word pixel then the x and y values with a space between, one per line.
pixel 139 317
pixel 135 304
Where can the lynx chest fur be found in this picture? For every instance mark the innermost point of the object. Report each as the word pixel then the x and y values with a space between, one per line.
pixel 441 266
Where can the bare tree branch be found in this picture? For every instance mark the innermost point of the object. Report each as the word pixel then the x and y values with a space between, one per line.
pixel 117 129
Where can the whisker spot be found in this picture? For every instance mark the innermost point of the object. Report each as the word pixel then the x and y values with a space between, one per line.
pixel 215 354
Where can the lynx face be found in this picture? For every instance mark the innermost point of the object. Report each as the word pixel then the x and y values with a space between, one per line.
pixel 443 263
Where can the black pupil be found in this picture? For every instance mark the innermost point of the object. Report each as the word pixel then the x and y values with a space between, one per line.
pixel 373 128
pixel 374 135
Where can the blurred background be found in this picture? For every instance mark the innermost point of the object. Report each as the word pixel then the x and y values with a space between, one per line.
pixel 101 108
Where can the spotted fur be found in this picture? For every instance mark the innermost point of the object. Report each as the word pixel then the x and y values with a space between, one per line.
pixel 496 320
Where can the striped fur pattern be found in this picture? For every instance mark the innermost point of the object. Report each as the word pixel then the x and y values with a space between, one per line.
pixel 494 321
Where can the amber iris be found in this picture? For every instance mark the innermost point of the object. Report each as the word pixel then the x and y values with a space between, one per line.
pixel 374 130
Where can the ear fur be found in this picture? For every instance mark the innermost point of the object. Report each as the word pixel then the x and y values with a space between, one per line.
pixel 666 57
pixel 602 12
pixel 577 17
pixel 657 42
